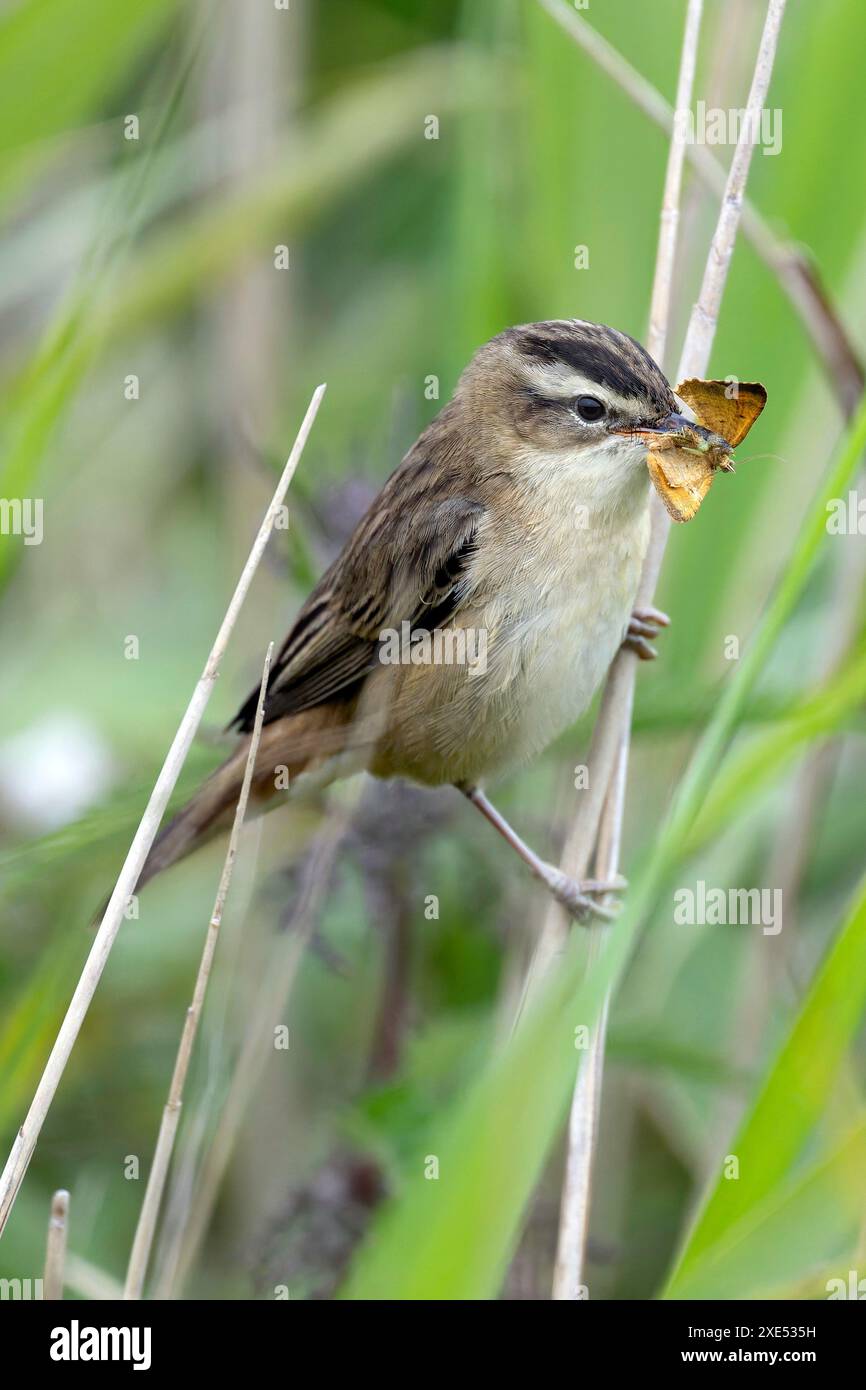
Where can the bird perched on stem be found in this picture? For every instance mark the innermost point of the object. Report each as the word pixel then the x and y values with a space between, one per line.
pixel 476 608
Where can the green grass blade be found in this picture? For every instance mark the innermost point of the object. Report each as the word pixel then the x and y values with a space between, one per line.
pixel 793 1095
pixel 764 757
pixel 451 1237
pixel 340 147
pixel 801 1223
pixel 59 61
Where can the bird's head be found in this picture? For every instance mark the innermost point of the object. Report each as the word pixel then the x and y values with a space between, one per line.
pixel 577 397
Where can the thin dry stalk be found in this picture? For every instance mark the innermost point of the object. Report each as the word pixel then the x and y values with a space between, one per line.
pixel 583 1119
pixel 25 1140
pixel 256 1050
pixel 606 748
pixel 141 1245
pixel 55 1249
pixel 797 275
pixel 670 212
pixel 693 362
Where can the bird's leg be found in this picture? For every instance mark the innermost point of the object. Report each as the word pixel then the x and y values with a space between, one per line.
pixel 642 630
pixel 574 895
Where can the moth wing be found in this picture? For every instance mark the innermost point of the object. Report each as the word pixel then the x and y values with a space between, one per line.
pixel 682 482
pixel 730 416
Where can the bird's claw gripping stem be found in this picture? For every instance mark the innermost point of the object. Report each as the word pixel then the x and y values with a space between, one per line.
pixel 578 896
pixel 642 630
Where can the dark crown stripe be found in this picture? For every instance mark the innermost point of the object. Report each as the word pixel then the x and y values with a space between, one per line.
pixel 615 361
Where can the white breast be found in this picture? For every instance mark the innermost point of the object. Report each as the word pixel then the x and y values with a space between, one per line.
pixel 553 585
pixel 575 591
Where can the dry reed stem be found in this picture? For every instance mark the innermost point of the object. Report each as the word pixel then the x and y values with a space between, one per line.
pixel 28 1134
pixel 573 1230
pixel 797 276
pixel 617 708
pixel 143 1241
pixel 55 1249
pixel 583 1118
pixel 256 1049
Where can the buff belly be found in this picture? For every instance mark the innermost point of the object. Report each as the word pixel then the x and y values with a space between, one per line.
pixel 463 724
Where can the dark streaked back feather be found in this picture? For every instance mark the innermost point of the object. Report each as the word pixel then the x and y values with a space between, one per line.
pixel 405 562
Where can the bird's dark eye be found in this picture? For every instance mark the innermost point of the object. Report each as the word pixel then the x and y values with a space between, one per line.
pixel 589 408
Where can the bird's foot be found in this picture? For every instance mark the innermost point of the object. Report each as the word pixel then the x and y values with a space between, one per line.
pixel 643 630
pixel 579 896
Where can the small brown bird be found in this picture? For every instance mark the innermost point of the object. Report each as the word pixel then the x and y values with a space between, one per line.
pixel 478 604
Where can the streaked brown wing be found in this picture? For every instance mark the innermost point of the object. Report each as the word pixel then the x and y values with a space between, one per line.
pixel 406 561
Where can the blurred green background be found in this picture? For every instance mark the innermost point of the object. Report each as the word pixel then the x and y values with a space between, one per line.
pixel 157 355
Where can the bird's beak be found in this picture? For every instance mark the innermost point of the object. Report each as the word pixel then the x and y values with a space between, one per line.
pixel 691 436
pixel 673 424
pixel 676 424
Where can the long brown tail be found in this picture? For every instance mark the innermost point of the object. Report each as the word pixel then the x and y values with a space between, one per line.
pixel 295 744
pixel 198 820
